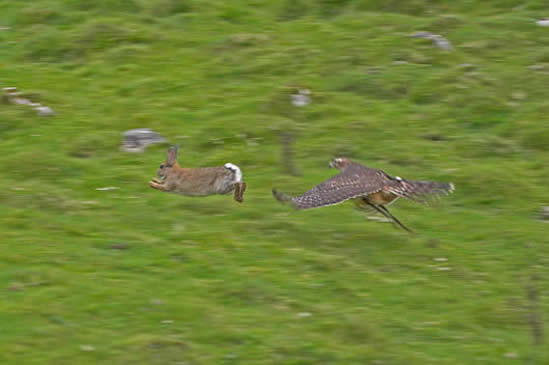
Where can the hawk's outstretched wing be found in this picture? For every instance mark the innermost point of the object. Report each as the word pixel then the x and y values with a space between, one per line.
pixel 418 191
pixel 355 181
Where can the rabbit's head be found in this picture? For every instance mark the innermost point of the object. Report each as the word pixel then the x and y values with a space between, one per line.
pixel 171 161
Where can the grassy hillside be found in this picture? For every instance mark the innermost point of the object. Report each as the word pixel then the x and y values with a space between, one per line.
pixel 136 276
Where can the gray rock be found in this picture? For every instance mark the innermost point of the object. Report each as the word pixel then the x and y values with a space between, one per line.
pixel 20 101
pixel 136 140
pixel 44 111
pixel 467 66
pixel 87 348
pixel 438 40
pixel 544 213
pixel 11 95
pixel 301 98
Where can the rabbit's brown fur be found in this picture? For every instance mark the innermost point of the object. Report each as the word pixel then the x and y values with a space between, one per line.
pixel 198 181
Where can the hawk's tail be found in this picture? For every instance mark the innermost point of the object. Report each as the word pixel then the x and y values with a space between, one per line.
pixel 281 197
pixel 421 190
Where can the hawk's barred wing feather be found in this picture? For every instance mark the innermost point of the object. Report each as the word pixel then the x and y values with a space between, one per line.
pixel 355 181
pixel 419 191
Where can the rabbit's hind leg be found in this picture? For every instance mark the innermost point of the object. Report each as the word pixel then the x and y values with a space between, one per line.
pixel 239 189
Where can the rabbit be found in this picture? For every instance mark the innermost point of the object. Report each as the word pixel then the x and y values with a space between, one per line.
pixel 198 181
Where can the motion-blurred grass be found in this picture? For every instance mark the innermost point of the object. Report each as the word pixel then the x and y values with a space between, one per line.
pixel 134 276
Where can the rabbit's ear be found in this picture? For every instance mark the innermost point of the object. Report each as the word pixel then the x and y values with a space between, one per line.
pixel 172 156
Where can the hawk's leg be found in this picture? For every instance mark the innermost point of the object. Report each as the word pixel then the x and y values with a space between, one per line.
pixel 381 209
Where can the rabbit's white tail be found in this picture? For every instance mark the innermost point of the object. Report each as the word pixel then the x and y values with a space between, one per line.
pixel 236 170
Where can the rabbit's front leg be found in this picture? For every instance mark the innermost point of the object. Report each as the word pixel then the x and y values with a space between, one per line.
pixel 239 189
pixel 158 181
pixel 158 186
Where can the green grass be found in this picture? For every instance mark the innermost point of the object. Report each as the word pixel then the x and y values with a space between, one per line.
pixel 135 276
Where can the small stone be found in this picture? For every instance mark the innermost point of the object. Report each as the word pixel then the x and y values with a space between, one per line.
pixel 510 355
pixel 441 42
pixel 438 40
pixel 120 246
pixel 12 96
pixel 379 219
pixel 543 22
pixel 167 321
pixel 156 301
pixel 440 259
pixel 87 348
pixel 108 188
pixel 443 268
pixel 15 286
pixel 467 66
pixel 421 34
pixel 304 314
pixel 519 95
pixel 435 137
pixel 44 111
pixel 20 101
pixel 301 98
pixel 536 67
pixel 178 228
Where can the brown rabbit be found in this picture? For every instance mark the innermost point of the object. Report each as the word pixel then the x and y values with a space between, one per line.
pixel 198 181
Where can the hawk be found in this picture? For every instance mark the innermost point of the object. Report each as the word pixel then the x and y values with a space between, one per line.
pixel 369 188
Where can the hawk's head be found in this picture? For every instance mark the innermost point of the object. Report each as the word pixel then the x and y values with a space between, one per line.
pixel 340 163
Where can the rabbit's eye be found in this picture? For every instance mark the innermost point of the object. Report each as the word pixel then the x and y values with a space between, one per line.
pixel 162 166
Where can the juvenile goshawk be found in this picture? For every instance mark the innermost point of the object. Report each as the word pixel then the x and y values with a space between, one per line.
pixel 367 187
